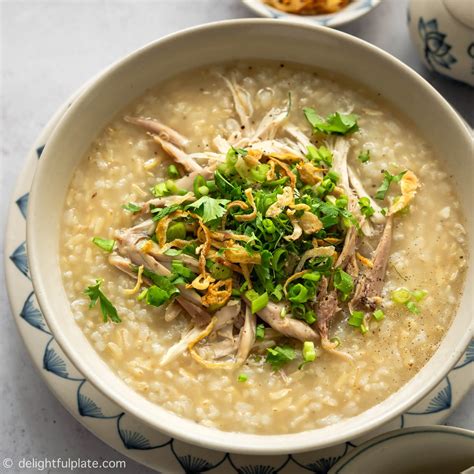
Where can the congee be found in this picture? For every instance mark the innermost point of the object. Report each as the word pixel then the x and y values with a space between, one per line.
pixel 263 248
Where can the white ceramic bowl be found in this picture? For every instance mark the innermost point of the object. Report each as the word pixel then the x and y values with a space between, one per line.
pixel 351 12
pixel 257 39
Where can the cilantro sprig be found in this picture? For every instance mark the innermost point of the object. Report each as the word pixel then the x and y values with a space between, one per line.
pixel 335 123
pixel 107 308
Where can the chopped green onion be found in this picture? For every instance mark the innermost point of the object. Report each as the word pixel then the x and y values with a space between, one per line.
pixel 159 190
pixel 401 295
pixel 260 332
pixel 333 176
pixel 105 244
pixel 219 271
pixel 321 154
pixel 298 293
pixel 177 230
pixel 356 319
pixel 199 183
pixel 259 172
pixel 378 315
pixel 279 259
pixel 277 292
pixel 363 328
pixel 412 307
pixel 310 317
pixel 283 312
pixel 259 302
pixel 242 378
pixel 142 295
pixel 269 226
pixel 365 208
pixel 419 295
pixel 173 172
pixel 309 353
pixel 312 276
pixel 342 202
pixel 364 156
pixel 335 340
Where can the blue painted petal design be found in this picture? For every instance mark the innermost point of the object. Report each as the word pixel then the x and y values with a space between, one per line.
pixel 39 151
pixel 257 469
pixel 194 465
pixel 134 440
pixel 54 363
pixel 442 401
pixel 19 258
pixel 87 407
pixel 468 355
pixel 323 465
pixel 22 203
pixel 32 315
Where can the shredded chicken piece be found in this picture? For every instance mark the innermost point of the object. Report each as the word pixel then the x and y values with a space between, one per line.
pixel 242 102
pixel 165 132
pixel 178 155
pixel 377 217
pixel 246 336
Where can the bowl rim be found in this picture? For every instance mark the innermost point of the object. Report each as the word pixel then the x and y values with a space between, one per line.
pixel 226 441
pixel 389 436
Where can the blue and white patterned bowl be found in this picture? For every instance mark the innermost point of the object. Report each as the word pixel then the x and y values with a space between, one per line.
pixel 443 34
pixel 423 449
pixel 354 10
pixel 126 80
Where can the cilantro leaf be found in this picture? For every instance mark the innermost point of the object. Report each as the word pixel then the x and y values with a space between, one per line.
pixel 364 156
pixel 107 308
pixel 260 332
pixel 209 208
pixel 105 244
pixel 343 282
pixel 387 180
pixel 333 123
pixel 278 356
pixel 160 212
pixel 131 207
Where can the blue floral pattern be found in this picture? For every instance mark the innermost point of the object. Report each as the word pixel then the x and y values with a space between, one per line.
pixel 436 49
pixel 132 436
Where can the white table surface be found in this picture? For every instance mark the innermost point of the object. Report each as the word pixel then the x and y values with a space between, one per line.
pixel 48 49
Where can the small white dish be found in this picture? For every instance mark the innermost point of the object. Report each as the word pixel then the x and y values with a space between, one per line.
pixel 354 10
pixel 421 450
pixel 127 435
pixel 443 34
pixel 126 80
